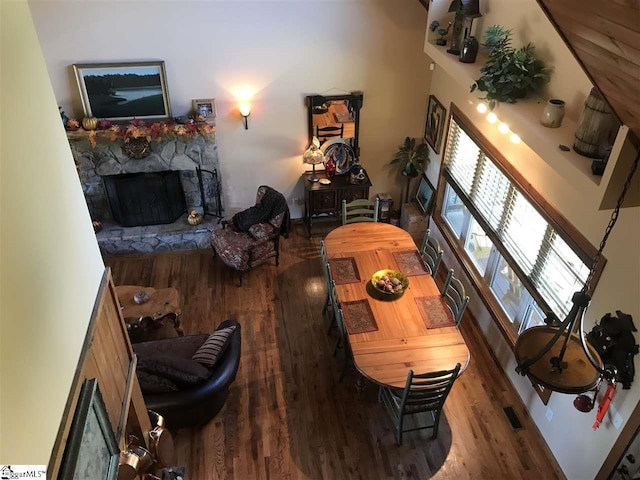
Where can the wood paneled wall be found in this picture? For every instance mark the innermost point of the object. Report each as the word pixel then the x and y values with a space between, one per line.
pixel 107 356
pixel 605 38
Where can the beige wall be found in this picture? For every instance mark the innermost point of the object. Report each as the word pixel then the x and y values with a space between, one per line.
pixel 284 50
pixel 50 266
pixel 579 450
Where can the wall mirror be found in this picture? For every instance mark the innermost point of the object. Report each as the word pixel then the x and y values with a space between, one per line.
pixel 335 116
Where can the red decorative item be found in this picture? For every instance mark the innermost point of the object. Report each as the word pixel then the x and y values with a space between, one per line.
pixel 330 168
pixel 603 406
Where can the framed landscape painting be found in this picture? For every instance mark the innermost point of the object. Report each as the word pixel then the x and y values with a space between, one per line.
pixel 123 91
pixel 434 126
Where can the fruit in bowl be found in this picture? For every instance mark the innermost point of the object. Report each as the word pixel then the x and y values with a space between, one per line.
pixel 390 282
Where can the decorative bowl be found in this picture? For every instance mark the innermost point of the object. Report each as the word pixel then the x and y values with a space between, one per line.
pixel 390 282
pixel 141 297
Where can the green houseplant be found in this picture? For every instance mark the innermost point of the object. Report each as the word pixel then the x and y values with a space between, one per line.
pixel 411 160
pixel 509 73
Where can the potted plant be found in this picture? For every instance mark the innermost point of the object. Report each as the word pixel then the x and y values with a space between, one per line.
pixel 411 160
pixel 509 74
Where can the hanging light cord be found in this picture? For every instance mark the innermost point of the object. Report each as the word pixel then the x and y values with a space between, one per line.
pixel 609 372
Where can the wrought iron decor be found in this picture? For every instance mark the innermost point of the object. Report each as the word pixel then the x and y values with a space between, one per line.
pixel 216 193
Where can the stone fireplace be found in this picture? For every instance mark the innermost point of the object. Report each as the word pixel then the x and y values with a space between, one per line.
pixel 178 176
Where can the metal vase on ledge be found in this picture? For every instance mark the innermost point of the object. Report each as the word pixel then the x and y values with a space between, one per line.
pixel 469 50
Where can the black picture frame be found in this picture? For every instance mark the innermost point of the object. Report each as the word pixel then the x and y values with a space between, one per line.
pixel 123 91
pixel 91 450
pixel 425 195
pixel 434 123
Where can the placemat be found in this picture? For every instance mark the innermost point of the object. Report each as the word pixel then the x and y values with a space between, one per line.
pixel 343 117
pixel 410 263
pixel 435 312
pixel 344 270
pixel 358 317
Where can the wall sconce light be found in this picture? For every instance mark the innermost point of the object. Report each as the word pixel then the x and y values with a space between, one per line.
pixel 245 111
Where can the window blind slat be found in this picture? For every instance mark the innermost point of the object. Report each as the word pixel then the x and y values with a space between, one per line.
pixel 550 264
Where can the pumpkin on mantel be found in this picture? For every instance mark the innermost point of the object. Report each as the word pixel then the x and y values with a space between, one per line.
pixel 89 123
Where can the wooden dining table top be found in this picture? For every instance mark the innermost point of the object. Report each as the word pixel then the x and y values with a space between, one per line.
pixel 402 341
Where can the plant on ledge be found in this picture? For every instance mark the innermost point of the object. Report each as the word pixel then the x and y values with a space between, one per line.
pixel 509 74
pixel 157 131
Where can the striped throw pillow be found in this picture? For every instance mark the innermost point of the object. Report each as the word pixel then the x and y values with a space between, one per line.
pixel 214 346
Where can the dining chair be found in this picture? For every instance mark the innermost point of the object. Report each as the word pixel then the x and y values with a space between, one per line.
pixel 328 280
pixel 360 210
pixel 324 133
pixel 342 341
pixel 454 293
pixel 431 253
pixel 424 392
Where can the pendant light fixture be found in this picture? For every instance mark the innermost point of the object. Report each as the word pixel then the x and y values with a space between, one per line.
pixel 558 357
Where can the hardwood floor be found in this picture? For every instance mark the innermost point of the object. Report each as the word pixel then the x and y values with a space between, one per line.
pixel 287 417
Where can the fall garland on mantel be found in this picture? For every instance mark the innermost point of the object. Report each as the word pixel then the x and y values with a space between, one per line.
pixel 138 129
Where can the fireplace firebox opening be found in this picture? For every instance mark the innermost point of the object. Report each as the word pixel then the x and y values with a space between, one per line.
pixel 138 199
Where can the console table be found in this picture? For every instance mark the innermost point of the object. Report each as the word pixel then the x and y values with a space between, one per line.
pixel 323 203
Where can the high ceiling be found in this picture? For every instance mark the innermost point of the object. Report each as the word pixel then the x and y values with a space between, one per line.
pixel 605 38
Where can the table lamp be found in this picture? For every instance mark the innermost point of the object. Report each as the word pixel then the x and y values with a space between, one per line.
pixel 313 155
pixel 466 11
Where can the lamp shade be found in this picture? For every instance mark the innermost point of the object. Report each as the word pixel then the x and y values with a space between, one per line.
pixel 471 8
pixel 245 109
pixel 313 155
pixel 578 376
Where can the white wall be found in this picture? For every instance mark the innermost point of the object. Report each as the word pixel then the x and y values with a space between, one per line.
pixel 283 50
pixel 578 449
pixel 50 262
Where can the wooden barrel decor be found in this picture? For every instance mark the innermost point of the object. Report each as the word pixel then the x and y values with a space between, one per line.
pixel 595 126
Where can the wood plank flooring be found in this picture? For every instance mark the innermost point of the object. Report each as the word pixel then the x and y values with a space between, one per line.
pixel 287 417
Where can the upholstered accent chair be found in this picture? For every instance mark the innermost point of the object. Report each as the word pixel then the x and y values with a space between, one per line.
pixel 183 391
pixel 253 236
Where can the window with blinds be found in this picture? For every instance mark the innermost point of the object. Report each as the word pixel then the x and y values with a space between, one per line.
pixel 521 235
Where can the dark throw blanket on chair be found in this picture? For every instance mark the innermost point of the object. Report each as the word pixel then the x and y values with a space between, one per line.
pixel 272 204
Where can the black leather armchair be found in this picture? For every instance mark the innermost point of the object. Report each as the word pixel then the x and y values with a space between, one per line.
pixel 198 404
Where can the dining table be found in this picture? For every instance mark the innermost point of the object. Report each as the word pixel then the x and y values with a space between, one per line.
pixel 391 334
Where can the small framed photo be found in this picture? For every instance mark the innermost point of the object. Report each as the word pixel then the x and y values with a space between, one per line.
pixel 123 91
pixel 424 195
pixel 205 107
pixel 91 450
pixel 434 125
